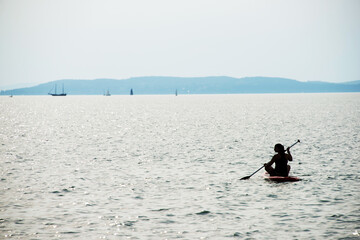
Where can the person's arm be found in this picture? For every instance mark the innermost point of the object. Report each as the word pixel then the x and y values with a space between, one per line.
pixel 288 155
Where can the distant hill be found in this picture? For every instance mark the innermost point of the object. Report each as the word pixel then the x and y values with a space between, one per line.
pixel 198 85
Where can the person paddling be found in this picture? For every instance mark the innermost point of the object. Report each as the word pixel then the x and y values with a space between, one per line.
pixel 281 162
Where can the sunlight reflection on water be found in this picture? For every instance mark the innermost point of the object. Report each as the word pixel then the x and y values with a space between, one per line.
pixel 150 167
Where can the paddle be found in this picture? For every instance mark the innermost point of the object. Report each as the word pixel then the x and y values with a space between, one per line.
pixel 247 177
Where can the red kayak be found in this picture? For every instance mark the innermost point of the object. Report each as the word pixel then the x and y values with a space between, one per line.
pixel 281 179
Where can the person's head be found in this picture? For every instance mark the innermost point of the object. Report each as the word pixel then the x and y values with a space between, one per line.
pixel 279 148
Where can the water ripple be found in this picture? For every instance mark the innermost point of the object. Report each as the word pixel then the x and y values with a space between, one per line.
pixel 160 167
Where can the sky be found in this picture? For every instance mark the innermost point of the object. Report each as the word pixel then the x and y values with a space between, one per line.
pixel 305 40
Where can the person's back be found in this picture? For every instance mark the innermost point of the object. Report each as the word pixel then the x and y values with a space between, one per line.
pixel 281 165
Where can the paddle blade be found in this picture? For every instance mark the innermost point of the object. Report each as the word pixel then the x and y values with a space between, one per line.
pixel 245 178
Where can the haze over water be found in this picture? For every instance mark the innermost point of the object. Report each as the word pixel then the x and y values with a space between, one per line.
pixel 165 167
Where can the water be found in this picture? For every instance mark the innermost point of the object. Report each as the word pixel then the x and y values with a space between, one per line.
pixel 166 167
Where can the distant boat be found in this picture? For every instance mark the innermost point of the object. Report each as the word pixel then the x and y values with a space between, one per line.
pixel 131 92
pixel 58 94
pixel 107 93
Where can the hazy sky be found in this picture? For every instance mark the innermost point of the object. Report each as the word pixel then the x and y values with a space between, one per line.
pixel 45 40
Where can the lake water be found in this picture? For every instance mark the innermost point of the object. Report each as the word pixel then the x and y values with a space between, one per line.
pixel 166 167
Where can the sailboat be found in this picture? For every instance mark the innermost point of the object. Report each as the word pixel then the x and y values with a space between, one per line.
pixel 58 94
pixel 107 93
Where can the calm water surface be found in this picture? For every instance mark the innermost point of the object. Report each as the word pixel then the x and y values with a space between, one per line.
pixel 166 167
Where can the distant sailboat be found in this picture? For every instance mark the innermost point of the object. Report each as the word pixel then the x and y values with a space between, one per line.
pixel 107 93
pixel 131 92
pixel 57 94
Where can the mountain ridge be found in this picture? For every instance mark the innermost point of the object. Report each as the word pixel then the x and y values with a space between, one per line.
pixel 153 85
